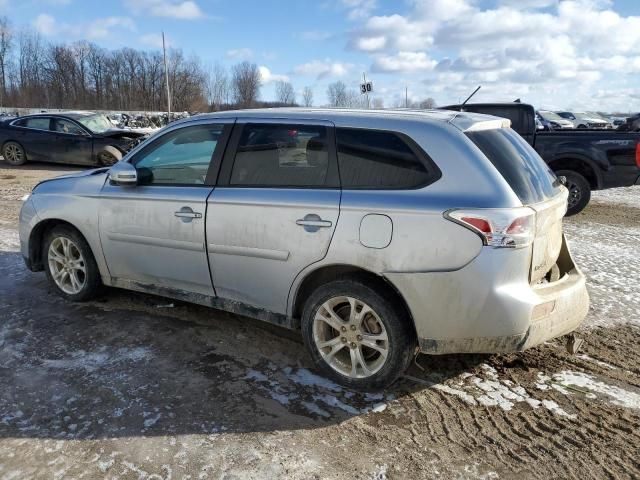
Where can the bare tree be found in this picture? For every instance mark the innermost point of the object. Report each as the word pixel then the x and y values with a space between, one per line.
pixel 246 84
pixel 307 97
pixel 428 104
pixel 218 88
pixel 337 94
pixel 378 103
pixel 6 43
pixel 285 93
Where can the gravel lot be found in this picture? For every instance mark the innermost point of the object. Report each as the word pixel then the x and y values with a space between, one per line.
pixel 131 387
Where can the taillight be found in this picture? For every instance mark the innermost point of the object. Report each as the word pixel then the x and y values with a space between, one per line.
pixel 498 227
pixel 638 154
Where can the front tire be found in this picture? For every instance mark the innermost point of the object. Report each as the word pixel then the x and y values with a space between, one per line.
pixel 69 264
pixel 357 336
pixel 579 191
pixel 109 156
pixel 14 154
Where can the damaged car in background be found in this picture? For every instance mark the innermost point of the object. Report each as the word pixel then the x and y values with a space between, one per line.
pixel 75 138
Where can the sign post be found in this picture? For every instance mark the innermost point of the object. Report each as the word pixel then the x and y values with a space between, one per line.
pixel 366 88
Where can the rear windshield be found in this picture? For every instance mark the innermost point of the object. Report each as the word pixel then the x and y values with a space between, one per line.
pixel 527 174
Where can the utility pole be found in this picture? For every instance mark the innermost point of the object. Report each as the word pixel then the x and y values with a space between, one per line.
pixel 406 97
pixel 166 75
pixel 364 80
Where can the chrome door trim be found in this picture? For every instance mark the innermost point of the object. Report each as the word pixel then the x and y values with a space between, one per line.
pixel 155 242
pixel 280 255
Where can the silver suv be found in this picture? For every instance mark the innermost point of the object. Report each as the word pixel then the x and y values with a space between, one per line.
pixel 378 234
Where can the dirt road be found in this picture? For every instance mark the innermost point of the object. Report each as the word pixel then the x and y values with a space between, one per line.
pixel 136 386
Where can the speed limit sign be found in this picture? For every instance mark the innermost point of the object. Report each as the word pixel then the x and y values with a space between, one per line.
pixel 366 87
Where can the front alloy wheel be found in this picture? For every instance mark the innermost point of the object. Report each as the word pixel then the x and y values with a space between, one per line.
pixel 70 265
pixel 350 337
pixel 67 265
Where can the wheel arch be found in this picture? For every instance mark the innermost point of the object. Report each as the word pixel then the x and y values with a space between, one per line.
pixel 581 165
pixel 36 238
pixel 329 273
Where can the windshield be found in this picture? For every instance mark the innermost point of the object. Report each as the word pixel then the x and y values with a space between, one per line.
pixel 547 115
pixel 97 123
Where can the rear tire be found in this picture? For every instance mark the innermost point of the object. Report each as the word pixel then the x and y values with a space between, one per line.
pixel 14 154
pixel 69 264
pixel 347 323
pixel 579 191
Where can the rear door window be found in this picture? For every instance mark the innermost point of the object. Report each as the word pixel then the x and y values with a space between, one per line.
pixel 373 160
pixel 281 155
pixel 528 175
pixel 38 123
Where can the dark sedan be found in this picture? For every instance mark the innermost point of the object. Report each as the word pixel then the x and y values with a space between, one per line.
pixel 81 138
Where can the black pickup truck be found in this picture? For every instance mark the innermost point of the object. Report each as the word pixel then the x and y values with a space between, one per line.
pixel 589 159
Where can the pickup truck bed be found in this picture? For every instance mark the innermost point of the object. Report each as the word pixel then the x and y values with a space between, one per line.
pixel 589 159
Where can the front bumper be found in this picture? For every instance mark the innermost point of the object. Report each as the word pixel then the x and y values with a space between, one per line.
pixel 489 306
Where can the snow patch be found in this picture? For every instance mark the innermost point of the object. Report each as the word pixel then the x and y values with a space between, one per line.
pixel 9 240
pixel 92 361
pixel 488 390
pixel 616 395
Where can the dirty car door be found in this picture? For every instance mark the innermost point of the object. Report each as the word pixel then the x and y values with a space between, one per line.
pixel 273 211
pixel 154 233
pixel 74 143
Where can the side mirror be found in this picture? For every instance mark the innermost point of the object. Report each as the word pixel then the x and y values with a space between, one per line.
pixel 123 174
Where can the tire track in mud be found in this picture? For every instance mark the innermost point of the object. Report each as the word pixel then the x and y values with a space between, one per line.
pixel 599 442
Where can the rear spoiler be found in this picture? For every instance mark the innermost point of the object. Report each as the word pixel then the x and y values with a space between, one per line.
pixel 476 122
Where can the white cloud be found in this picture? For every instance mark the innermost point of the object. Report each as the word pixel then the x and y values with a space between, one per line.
pixel 240 53
pixel 267 77
pixel 359 9
pixel 45 24
pixel 404 62
pixel 99 28
pixel 180 9
pixel 515 48
pixel 155 40
pixel 323 68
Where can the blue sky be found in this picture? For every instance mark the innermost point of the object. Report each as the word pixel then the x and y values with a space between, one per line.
pixel 581 54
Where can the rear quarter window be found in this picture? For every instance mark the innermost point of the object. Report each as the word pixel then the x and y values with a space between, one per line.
pixel 382 160
pixel 528 175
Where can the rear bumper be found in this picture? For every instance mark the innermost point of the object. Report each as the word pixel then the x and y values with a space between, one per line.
pixel 485 308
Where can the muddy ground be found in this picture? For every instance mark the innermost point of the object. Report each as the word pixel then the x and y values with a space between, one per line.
pixel 136 386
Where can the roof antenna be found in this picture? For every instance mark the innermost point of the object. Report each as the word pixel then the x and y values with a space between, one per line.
pixel 469 97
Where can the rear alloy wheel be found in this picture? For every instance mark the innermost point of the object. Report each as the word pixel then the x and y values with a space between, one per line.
pixel 579 191
pixel 356 336
pixel 13 154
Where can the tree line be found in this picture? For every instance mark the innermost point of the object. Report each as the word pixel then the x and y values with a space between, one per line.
pixel 35 73
pixel 83 75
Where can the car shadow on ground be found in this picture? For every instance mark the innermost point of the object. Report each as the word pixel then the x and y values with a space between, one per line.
pixel 132 365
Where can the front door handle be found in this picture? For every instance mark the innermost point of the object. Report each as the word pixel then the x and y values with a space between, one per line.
pixel 186 214
pixel 312 222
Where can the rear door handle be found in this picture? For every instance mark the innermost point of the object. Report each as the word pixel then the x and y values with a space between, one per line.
pixel 186 214
pixel 312 222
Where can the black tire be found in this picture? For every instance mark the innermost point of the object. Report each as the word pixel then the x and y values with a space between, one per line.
pixel 582 127
pixel 401 338
pixel 92 282
pixel 14 154
pixel 109 156
pixel 579 191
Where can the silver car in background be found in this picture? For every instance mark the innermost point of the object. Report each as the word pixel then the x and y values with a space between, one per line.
pixel 378 234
